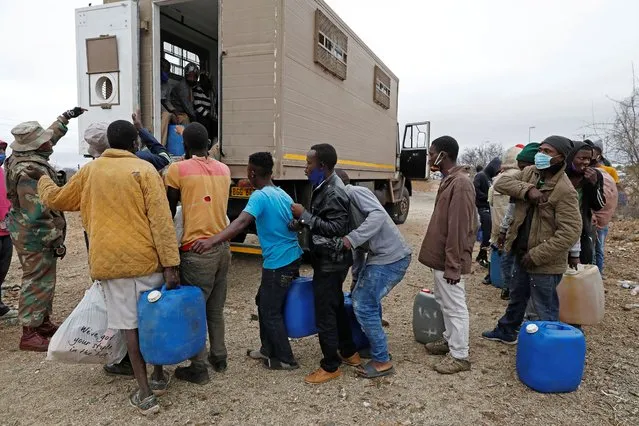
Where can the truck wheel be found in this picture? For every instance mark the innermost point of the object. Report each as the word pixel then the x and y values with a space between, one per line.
pixel 239 238
pixel 401 208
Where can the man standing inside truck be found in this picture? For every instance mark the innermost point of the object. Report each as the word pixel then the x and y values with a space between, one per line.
pixel 447 249
pixel 270 208
pixel 328 222
pixel 202 185
pixel 37 232
pixel 182 95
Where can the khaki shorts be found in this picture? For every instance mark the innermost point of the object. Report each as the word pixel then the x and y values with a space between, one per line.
pixel 122 296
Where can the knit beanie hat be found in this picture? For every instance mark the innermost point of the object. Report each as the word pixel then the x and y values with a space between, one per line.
pixel 563 145
pixel 96 137
pixel 527 154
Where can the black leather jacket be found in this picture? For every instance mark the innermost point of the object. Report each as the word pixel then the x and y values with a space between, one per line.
pixel 328 221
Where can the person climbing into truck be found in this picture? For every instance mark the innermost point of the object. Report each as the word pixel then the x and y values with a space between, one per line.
pixel 270 208
pixel 123 202
pixel 382 260
pixel 155 153
pixel 201 184
pixel 328 222
pixel 447 249
pixel 168 110
pixel 182 95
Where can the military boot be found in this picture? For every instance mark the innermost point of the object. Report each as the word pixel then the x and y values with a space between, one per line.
pixel 47 328
pixel 33 341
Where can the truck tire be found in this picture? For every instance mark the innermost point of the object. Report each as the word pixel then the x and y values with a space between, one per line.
pixel 402 208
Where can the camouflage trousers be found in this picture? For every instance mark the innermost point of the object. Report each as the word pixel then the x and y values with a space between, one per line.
pixel 38 286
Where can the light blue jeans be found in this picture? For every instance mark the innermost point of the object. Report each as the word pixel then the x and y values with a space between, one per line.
pixel 373 284
pixel 600 246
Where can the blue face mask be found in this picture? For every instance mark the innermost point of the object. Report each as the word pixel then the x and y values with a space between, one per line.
pixel 542 161
pixel 164 76
pixel 316 177
pixel 2 158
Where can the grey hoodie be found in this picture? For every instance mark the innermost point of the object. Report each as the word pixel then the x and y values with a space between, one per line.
pixel 386 244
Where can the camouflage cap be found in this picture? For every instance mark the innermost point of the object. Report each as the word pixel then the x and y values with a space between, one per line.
pixel 29 136
pixel 96 137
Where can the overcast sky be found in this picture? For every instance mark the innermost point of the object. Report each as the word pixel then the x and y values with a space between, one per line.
pixel 478 70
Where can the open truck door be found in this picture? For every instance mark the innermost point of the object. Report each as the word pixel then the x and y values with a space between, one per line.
pixel 413 161
pixel 107 63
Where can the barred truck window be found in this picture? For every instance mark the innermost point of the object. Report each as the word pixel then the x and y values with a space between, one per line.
pixel 178 57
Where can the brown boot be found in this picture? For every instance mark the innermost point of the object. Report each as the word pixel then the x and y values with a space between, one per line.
pixel 47 328
pixel 321 376
pixel 33 341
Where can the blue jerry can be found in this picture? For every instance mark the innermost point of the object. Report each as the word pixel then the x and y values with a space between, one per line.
pixel 299 309
pixel 171 324
pixel 550 356
pixel 359 338
pixel 174 142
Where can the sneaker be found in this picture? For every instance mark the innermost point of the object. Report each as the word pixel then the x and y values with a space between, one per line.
pixel 220 365
pixel 320 376
pixel 452 365
pixel 256 354
pixel 505 294
pixel 146 406
pixel 497 335
pixel 486 280
pixel 31 340
pixel 7 313
pixel 160 387
pixel 438 347
pixel 276 364
pixel 123 368
pixel 193 373
pixel 353 361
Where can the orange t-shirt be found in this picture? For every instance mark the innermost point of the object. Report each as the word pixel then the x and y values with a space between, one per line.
pixel 204 189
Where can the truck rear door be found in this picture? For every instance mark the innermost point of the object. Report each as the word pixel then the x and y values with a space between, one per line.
pixel 413 158
pixel 107 63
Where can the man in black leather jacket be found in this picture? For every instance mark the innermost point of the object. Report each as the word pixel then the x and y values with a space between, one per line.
pixel 328 222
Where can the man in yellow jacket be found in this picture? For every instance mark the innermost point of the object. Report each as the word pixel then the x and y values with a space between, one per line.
pixel 133 247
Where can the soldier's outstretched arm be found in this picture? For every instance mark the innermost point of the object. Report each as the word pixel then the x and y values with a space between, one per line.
pixel 59 126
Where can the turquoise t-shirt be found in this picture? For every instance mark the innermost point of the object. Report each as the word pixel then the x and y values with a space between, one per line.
pixel 271 208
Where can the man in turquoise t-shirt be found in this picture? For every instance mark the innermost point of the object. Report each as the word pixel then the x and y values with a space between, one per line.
pixel 270 208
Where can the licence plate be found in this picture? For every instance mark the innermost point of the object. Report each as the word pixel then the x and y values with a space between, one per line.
pixel 241 192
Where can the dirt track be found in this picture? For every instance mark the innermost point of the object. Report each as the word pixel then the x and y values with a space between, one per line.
pixel 38 392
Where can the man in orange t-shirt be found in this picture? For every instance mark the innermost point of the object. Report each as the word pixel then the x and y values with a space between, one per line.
pixel 202 185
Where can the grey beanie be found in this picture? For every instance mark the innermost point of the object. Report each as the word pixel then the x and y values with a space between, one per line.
pixel 96 137
pixel 563 145
pixel 598 145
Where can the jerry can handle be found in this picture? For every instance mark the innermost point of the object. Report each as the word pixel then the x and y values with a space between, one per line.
pixel 556 326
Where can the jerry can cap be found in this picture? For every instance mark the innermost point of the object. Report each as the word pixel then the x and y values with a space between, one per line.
pixel 532 328
pixel 154 296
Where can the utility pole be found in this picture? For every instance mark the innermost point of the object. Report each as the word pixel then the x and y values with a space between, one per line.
pixel 529 132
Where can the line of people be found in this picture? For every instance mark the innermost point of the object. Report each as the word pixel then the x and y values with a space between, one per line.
pixel 127 211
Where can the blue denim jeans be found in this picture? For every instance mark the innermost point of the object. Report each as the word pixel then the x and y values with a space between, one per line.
pixel 373 284
pixel 600 246
pixel 540 289
pixel 507 263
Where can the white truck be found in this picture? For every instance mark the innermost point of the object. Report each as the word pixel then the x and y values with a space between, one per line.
pixel 289 73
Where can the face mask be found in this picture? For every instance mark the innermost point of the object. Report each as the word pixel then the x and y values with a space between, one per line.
pixel 2 158
pixel 435 167
pixel 164 76
pixel 542 161
pixel 316 177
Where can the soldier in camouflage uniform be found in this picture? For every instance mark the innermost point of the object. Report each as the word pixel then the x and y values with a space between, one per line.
pixel 37 232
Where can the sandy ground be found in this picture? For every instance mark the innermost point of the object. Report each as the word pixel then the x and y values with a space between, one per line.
pixel 35 391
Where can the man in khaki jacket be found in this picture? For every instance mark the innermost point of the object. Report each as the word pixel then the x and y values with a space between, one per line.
pixel 546 224
pixel 447 249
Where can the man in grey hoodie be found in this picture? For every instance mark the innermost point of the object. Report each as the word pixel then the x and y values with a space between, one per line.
pixel 380 262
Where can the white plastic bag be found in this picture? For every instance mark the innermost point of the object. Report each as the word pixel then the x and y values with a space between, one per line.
pixel 84 337
pixel 178 221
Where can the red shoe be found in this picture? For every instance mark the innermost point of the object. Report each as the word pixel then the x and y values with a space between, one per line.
pixel 47 328
pixel 33 341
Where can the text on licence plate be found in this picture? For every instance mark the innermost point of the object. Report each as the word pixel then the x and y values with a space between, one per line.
pixel 241 192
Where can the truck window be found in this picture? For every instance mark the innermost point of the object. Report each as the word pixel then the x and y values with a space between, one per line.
pixel 178 57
